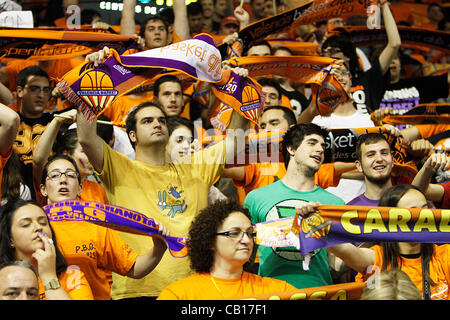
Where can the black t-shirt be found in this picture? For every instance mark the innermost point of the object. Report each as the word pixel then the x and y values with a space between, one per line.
pixel 30 130
pixel 407 93
pixel 298 101
pixel 368 88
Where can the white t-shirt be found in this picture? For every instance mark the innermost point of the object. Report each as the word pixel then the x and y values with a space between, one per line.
pixel 356 120
pixel 347 189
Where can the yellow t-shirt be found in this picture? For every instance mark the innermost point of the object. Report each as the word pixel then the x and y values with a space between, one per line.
pixel 172 194
pixel 202 286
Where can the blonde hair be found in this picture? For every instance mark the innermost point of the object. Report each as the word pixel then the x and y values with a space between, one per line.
pixel 391 284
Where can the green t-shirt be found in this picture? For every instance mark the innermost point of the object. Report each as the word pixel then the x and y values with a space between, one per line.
pixel 266 204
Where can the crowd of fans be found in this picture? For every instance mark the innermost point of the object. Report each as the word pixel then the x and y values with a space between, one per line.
pixel 50 152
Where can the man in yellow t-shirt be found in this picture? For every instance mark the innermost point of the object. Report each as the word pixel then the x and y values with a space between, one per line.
pixel 171 193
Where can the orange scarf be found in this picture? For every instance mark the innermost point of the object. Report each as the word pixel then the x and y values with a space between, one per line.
pixel 327 92
pixel 41 44
pixel 427 113
pixel 412 36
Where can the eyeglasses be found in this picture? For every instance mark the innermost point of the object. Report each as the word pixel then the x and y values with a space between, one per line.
pixel 56 175
pixel 37 89
pixel 238 234
pixel 331 51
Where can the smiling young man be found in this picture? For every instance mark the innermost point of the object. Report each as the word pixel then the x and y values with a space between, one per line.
pixel 374 160
pixel 303 153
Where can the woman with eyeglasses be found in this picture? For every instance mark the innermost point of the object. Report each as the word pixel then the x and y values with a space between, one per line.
pixel 66 143
pixel 96 250
pixel 220 244
pixel 427 264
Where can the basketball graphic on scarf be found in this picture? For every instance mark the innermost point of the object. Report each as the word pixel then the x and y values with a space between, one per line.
pixel 96 80
pixel 97 90
pixel 315 226
pixel 251 104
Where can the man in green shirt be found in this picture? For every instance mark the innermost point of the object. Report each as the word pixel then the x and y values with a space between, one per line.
pixel 303 151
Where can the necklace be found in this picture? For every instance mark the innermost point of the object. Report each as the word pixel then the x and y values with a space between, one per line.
pixel 215 285
pixel 219 290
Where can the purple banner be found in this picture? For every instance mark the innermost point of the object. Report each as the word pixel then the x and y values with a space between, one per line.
pixel 335 224
pixel 114 217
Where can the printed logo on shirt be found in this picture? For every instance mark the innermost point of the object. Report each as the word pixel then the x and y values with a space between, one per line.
pixel 88 249
pixel 170 201
pixel 401 100
pixel 359 98
pixel 26 139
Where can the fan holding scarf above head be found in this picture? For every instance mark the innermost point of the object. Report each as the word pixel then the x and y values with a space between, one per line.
pixel 168 192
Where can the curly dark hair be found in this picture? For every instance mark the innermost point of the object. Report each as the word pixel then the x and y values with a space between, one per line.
pixel 202 233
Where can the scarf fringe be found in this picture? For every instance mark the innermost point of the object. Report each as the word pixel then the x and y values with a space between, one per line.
pixel 74 99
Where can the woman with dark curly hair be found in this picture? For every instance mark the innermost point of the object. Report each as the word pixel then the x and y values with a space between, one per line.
pixel 220 244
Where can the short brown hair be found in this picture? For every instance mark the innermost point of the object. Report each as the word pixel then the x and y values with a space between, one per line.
pixel 368 138
pixel 130 123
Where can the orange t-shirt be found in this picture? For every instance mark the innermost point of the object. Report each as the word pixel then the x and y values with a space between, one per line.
pixel 120 107
pixel 55 71
pixel 202 286
pixel 428 130
pixel 258 175
pixel 92 191
pixel 439 270
pixel 75 284
pixel 97 251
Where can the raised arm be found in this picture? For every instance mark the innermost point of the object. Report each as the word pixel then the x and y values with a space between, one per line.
pixel 242 16
pixel 44 145
pixel 9 125
pixel 393 36
pixel 433 192
pixel 181 22
pixel 237 132
pixel 91 143
pixel 127 22
pixel 6 97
